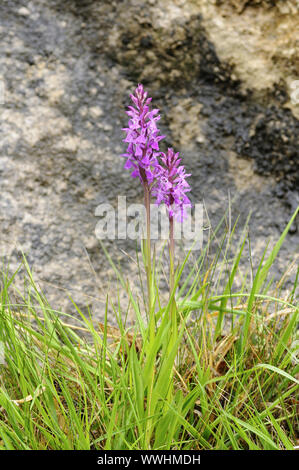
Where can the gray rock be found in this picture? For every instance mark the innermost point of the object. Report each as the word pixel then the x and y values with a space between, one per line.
pixel 68 69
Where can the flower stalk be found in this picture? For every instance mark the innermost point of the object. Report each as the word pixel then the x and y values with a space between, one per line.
pixel 143 139
pixel 162 177
pixel 148 259
pixel 172 310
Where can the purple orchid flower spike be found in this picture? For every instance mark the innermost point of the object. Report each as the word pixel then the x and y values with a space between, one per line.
pixel 142 137
pixel 143 149
pixel 171 185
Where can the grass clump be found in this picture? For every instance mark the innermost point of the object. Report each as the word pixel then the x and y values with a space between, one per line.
pixel 228 381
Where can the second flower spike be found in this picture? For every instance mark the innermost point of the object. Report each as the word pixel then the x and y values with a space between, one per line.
pixel 171 185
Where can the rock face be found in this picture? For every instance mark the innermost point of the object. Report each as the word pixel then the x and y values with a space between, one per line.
pixel 223 76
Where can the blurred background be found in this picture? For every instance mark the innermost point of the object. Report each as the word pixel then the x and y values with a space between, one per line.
pixel 225 75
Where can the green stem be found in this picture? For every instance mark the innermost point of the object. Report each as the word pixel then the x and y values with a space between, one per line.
pixel 171 278
pixel 172 338
pixel 148 260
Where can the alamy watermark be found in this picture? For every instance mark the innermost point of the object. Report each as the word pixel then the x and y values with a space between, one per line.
pixel 128 221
